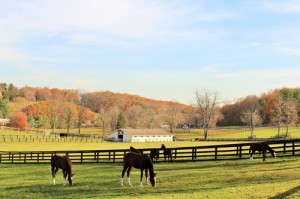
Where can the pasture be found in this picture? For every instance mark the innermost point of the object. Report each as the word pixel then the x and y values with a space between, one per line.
pixel 275 178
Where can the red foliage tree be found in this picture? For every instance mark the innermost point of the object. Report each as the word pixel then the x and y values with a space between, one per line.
pixel 18 120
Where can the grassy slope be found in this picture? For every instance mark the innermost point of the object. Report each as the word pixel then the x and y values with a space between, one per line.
pixel 259 133
pixel 278 178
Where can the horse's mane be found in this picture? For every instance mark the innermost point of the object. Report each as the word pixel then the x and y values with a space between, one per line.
pixel 69 164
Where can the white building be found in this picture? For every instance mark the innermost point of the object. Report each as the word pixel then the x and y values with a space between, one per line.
pixel 4 122
pixel 140 135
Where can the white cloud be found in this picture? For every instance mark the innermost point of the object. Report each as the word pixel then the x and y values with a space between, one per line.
pixel 142 20
pixel 289 51
pixel 285 72
pixel 291 6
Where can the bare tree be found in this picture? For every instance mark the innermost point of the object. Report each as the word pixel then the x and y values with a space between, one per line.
pixel 278 112
pixel 290 114
pixel 105 104
pixel 207 103
pixel 149 118
pixel 134 115
pixel 252 118
pixel 54 110
pixel 81 108
pixel 172 115
pixel 251 115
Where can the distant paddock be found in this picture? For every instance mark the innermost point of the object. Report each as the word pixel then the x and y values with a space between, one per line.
pixel 180 154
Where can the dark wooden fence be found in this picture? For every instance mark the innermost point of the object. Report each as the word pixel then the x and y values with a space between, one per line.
pixel 180 154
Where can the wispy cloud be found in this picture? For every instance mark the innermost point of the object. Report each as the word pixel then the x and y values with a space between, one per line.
pixel 142 20
pixel 291 6
pixel 289 51
pixel 284 72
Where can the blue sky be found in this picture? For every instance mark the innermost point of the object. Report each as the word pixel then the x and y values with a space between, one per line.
pixel 159 49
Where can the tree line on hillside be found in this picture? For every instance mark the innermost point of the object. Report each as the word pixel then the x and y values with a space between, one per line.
pixel 35 107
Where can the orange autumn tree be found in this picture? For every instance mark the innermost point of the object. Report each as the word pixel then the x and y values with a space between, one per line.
pixel 18 120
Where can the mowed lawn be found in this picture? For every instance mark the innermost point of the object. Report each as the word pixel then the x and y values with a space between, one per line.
pixel 275 178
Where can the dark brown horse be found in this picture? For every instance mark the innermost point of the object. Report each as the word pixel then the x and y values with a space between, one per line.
pixel 262 147
pixel 132 149
pixel 64 163
pixel 154 154
pixel 167 153
pixel 139 161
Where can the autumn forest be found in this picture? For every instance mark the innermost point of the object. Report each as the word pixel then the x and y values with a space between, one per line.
pixel 52 108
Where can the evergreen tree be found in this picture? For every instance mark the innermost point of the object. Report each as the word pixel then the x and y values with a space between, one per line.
pixel 4 108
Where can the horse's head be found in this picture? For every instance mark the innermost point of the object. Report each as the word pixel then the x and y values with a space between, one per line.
pixel 273 154
pixel 71 178
pixel 153 180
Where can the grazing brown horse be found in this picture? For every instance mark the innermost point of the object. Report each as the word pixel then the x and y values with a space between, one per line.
pixel 139 161
pixel 167 153
pixel 64 163
pixel 154 154
pixel 132 149
pixel 262 147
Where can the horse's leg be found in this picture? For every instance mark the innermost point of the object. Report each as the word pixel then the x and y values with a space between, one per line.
pixel 264 155
pixel 128 174
pixel 53 174
pixel 252 153
pixel 141 181
pixel 146 174
pixel 125 166
pixel 65 176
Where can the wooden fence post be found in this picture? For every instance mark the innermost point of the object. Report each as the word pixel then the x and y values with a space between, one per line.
pixel 241 152
pixel 216 153
pixel 81 157
pixel 284 147
pixel 293 148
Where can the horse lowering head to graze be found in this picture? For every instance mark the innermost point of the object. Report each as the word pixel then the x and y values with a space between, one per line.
pixel 262 147
pixel 139 161
pixel 64 163
pixel 132 149
pixel 167 153
pixel 154 154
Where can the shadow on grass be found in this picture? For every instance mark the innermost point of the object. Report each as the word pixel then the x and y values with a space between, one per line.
pixel 287 193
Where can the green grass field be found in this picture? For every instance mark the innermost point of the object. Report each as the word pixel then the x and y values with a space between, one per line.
pixel 275 178
pixel 266 132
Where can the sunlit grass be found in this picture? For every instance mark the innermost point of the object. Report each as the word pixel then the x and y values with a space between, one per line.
pixel 278 178
pixel 64 146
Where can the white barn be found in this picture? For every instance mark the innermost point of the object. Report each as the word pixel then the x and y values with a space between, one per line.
pixel 4 122
pixel 140 135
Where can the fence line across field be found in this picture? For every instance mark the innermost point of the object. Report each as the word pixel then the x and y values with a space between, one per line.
pixel 180 154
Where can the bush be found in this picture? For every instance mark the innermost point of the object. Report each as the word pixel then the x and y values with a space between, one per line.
pixel 18 120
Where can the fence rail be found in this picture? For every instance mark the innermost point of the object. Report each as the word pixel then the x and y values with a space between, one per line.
pixel 180 154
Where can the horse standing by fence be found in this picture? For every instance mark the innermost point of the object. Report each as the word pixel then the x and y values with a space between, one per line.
pixel 64 163
pixel 167 153
pixel 154 154
pixel 261 148
pixel 139 161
